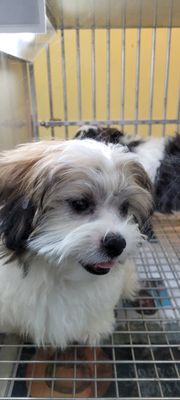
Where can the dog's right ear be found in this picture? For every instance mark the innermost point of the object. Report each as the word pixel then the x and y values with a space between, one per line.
pixel 16 217
pixel 17 203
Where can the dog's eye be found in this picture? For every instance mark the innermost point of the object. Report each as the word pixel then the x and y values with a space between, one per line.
pixel 124 208
pixel 80 205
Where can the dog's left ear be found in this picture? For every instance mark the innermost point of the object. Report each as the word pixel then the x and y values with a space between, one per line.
pixel 143 181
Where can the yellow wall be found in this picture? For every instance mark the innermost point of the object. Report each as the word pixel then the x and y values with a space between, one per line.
pixel 115 78
pixel 15 118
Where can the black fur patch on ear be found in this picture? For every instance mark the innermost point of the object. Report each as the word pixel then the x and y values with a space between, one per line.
pixel 111 135
pixel 134 143
pixel 90 133
pixel 16 217
pixel 101 134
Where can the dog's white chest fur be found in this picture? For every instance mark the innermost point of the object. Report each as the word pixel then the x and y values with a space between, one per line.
pixel 59 311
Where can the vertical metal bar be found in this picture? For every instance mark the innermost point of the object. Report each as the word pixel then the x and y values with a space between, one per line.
pixel 152 66
pixel 53 373
pixel 93 70
pixel 167 67
pixel 161 269
pixel 63 63
pixel 108 74
pixel 15 354
pixel 30 382
pixel 138 54
pixel 27 98
pixel 75 372
pixel 123 54
pixel 154 361
pixel 50 88
pixel 95 373
pixel 173 359
pixel 64 81
pixel 178 114
pixel 108 66
pixel 34 119
pixel 134 361
pixel 78 71
pixel 115 368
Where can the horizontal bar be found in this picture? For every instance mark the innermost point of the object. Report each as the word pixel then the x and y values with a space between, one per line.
pixel 89 398
pixel 72 379
pixel 132 332
pixel 170 297
pixel 65 362
pixel 104 345
pixel 151 308
pixel 52 123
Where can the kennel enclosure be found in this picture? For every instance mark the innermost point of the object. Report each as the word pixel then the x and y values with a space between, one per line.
pixel 113 63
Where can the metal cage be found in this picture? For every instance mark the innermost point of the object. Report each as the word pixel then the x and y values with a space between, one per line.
pixel 141 359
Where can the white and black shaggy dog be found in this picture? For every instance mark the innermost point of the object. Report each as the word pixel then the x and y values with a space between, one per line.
pixel 70 219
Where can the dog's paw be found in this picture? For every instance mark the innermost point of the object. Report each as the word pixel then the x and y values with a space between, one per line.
pixel 131 283
pixel 93 339
pixel 99 330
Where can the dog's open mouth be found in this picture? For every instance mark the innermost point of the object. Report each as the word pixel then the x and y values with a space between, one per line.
pixel 98 268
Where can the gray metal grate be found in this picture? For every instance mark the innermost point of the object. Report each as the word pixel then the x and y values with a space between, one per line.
pixel 141 359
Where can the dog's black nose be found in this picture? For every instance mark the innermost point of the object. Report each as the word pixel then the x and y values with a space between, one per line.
pixel 113 244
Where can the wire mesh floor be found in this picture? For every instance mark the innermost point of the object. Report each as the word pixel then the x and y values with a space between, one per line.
pixel 141 359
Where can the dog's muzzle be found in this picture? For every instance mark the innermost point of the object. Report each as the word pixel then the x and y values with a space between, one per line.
pixel 112 245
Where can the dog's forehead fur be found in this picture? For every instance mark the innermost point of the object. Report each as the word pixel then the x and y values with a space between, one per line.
pixel 36 168
pixel 75 167
pixel 90 154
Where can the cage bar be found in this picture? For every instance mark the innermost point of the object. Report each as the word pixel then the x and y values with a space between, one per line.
pixel 93 69
pixel 64 79
pixel 123 64
pixel 78 68
pixel 35 129
pixel 123 122
pixel 138 55
pixel 167 67
pixel 50 88
pixel 152 66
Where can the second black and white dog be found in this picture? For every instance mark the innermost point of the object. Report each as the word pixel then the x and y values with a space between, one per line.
pixel 159 156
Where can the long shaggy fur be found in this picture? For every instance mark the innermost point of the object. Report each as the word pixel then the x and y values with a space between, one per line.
pixel 59 201
pixel 159 157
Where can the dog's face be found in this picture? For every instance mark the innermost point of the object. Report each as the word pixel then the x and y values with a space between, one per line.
pixel 81 201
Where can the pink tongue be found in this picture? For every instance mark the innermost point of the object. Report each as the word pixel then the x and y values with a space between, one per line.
pixel 104 265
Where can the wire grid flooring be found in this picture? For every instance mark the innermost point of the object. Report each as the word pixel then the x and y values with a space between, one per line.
pixel 141 359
